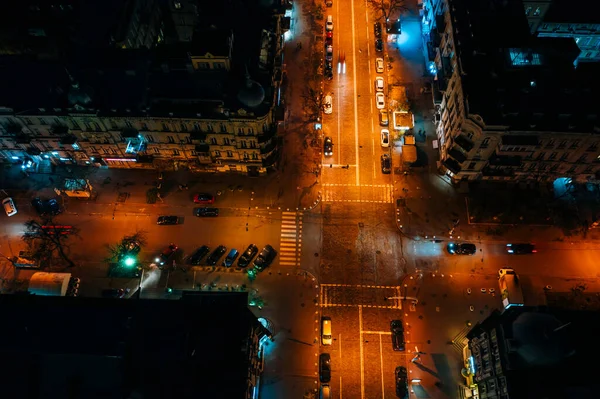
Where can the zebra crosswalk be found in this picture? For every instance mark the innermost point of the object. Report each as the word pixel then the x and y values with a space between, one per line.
pixel 368 296
pixel 374 193
pixel 291 239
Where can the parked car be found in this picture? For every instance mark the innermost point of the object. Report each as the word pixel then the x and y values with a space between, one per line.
pixel 329 53
pixel 385 138
pixel 214 257
pixel 265 258
pixel 328 146
pixel 248 255
pixel 401 382
pixel 9 206
pixel 198 255
pixel 378 45
pixel 386 164
pixel 46 207
pixel 115 293
pixel 204 198
pixel 166 254
pixel 520 249
pixel 325 367
pixel 464 248
pixel 206 212
pixel 397 329
pixel 165 220
pixel 231 257
pixel 379 65
pixel 329 23
pixel 380 100
pixel 379 83
pixel 328 104
pixel 377 29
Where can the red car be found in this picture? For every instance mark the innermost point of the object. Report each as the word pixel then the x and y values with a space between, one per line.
pixel 204 198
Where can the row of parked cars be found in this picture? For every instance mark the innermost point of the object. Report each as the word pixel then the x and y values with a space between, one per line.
pixel 467 248
pixel 204 256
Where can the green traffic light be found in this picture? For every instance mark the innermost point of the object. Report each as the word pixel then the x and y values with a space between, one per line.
pixel 129 261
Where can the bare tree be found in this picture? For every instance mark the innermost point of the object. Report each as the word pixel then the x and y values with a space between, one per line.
pixel 45 240
pixel 386 8
pixel 313 99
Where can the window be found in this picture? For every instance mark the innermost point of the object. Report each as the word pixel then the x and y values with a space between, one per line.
pixel 532 166
pixel 250 130
pixel 472 165
pixel 43 121
pixel 485 143
pixel 550 144
pixel 562 144
pixel 93 150
pixel 243 144
pixel 564 156
pixel 553 155
pixel 230 154
pixel 218 65
pixel 213 140
pixel 156 150
pixel 76 126
pixel 149 138
pixel 113 125
pixel 183 127
pixel 537 12
pixel 170 139
pixel 255 156
pixel 27 121
pixel 246 156
pixel 226 141
pixel 106 150
pixel 572 169
pixel 575 143
pixel 165 127
pixel 241 130
pixel 582 159
pixel 554 168
pixel 196 127
pixel 593 147
pixel 218 154
pixel 209 127
pixel 176 152
pixel 145 126
pixel 128 124
pixel 528 11
pixel 188 139
pixel 541 156
pixel 223 128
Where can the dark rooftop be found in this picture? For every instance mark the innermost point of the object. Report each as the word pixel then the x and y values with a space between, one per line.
pixel 508 74
pixel 60 347
pixel 539 345
pixel 563 11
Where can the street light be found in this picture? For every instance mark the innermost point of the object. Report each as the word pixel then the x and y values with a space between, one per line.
pixel 129 261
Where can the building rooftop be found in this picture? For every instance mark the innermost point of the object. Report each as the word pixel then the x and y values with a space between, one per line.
pixel 507 74
pixel 59 347
pixel 538 345
pixel 563 11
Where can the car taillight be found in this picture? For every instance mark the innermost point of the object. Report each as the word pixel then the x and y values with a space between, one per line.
pixel 534 251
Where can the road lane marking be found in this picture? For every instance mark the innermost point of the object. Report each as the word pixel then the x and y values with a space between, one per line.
pixel 355 93
pixel 381 366
pixel 378 332
pixel 362 365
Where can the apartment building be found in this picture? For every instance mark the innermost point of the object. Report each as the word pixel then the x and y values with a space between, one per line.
pixel 527 352
pixel 209 104
pixel 558 18
pixel 509 106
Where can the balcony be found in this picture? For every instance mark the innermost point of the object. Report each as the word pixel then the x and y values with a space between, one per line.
pixel 465 143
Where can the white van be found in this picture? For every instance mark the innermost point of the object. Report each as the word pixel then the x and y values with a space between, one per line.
pixel 326 330
pixel 325 392
pixel 9 206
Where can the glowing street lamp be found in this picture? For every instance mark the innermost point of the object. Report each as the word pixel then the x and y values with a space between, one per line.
pixel 129 261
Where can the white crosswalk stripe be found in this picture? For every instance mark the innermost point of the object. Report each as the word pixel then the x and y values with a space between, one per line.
pixel 368 296
pixel 373 193
pixel 290 239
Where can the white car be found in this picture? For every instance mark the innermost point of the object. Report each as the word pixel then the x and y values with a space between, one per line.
pixel 380 100
pixel 379 65
pixel 329 23
pixel 378 83
pixel 385 138
pixel 328 105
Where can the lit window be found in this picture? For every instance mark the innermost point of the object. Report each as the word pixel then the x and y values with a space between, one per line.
pixel 537 12
pixel 528 11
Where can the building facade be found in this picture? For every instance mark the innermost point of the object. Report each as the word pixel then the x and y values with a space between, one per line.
pixel 201 105
pixel 494 117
